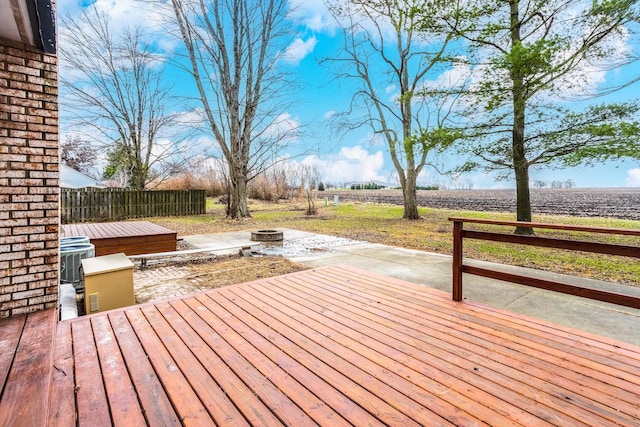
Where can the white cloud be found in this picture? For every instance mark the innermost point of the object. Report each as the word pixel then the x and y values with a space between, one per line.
pixel 313 14
pixel 284 129
pixel 633 177
pixel 329 114
pixel 122 14
pixel 349 164
pixel 298 50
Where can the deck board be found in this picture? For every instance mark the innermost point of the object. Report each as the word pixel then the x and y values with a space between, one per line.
pixel 62 407
pixel 332 346
pixel 129 237
pixel 22 398
pixel 9 340
pixel 337 345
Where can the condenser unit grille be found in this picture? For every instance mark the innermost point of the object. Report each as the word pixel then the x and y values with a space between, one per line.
pixel 70 262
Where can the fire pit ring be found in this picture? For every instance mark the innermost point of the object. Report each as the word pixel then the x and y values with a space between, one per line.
pixel 266 236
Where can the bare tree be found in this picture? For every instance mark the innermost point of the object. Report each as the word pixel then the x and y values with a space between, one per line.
pixel 112 83
pixel 387 45
pixel 78 154
pixel 310 177
pixel 233 49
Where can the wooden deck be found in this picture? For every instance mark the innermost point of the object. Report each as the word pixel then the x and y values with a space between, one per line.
pixel 334 346
pixel 129 237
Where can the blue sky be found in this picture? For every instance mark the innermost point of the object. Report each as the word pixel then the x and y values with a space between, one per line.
pixel 355 156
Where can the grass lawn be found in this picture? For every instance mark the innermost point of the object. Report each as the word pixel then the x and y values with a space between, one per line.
pixel 379 223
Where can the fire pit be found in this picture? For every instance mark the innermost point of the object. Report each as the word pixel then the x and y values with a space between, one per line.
pixel 266 236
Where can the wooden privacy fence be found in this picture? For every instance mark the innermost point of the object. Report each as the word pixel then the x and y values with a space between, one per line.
pixel 459 233
pixel 115 204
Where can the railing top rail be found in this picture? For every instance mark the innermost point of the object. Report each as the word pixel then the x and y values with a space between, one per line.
pixel 601 230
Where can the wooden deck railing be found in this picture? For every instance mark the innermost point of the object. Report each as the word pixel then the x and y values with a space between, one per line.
pixel 459 233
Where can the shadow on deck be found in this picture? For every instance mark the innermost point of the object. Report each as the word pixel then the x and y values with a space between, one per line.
pixel 329 346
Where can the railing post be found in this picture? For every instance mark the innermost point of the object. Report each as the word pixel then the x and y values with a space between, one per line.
pixel 457 260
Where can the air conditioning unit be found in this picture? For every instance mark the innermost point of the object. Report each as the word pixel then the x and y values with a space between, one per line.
pixel 74 240
pixel 70 261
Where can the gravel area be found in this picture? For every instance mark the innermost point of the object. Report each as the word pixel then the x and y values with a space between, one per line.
pixel 305 246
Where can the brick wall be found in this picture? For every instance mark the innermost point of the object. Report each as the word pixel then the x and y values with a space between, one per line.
pixel 29 192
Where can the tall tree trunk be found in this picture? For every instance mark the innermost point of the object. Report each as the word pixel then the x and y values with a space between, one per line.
pixel 238 207
pixel 409 196
pixel 520 163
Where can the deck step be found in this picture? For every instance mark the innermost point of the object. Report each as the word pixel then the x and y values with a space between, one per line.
pixel 25 367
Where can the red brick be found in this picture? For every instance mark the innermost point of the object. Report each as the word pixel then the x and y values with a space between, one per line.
pixel 39 142
pixel 42 268
pixel 15 142
pixel 26 182
pixel 17 272
pixel 28 230
pixel 53 275
pixel 27 214
pixel 44 190
pixel 29 279
pixel 51 255
pixel 13 305
pixel 50 97
pixel 31 166
pixel 43 299
pixel 21 69
pixel 13 288
pixel 43 205
pixel 26 118
pixel 41 128
pixel 51 113
pixel 49 59
pixel 27 150
pixel 28 246
pixel 28 198
pixel 13 108
pixel 20 51
pixel 15 93
pixel 12 59
pixel 23 133
pixel 15 239
pixel 27 309
pixel 14 190
pixel 27 262
pixel 12 256
pixel 52 90
pixel 15 158
pixel 26 102
pixel 29 87
pixel 12 126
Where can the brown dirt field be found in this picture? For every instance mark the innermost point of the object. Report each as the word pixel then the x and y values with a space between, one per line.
pixel 622 203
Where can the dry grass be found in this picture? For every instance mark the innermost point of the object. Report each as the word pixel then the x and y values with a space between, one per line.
pixel 171 279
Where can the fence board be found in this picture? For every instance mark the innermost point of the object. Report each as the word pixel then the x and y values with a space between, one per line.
pixel 115 204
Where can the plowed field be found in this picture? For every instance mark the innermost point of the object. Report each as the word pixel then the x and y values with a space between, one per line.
pixel 623 203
